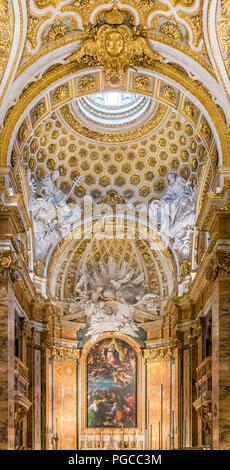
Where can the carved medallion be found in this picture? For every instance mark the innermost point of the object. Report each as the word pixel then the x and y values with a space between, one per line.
pixel 115 45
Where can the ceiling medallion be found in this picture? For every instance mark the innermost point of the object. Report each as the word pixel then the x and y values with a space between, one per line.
pixel 115 43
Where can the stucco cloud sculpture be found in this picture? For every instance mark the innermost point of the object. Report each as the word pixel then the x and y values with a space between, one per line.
pixel 109 295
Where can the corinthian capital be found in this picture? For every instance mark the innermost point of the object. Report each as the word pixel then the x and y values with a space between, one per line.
pixel 220 261
pixel 8 266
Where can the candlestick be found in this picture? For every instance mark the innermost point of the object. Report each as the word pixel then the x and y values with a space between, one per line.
pixel 159 435
pixel 173 429
pixel 148 428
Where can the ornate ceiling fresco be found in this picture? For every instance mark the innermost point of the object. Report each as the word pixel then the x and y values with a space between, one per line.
pixel 126 102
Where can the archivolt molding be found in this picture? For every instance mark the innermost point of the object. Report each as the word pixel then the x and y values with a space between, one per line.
pixel 173 98
pixel 71 257
pixel 195 91
pixel 211 25
pixel 18 31
pixel 65 41
pixel 76 248
pixel 185 80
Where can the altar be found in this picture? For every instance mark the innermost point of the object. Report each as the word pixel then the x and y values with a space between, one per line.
pixel 112 440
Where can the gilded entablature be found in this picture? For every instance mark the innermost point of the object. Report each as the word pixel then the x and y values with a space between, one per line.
pixel 65 354
pixel 157 354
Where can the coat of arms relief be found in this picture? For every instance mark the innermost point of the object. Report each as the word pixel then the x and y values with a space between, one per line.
pixel 115 43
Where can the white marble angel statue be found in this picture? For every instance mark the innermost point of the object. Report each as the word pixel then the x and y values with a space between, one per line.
pixel 51 214
pixel 177 214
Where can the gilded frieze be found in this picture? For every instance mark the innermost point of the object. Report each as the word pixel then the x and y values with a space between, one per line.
pixel 157 355
pixel 65 354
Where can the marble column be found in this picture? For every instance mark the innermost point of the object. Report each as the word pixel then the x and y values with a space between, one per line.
pixel 46 391
pixel 64 402
pixel 187 401
pixel 194 364
pixel 221 364
pixel 37 390
pixel 34 392
pixel 159 398
pixel 6 365
pixel 30 364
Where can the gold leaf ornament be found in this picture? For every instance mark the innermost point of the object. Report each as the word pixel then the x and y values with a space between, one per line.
pixel 114 46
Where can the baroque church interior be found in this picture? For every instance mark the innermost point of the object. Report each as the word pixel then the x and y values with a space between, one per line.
pixel 114 224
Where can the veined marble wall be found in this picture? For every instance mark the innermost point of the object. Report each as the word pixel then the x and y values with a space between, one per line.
pixel 63 394
pixel 6 366
pixel 221 365
pixel 161 405
pixel 37 391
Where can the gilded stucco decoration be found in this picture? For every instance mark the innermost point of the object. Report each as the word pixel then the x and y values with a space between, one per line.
pixel 142 83
pixel 134 169
pixel 6 30
pixel 9 266
pixel 34 24
pixel 224 32
pixel 86 254
pixel 70 119
pixel 134 163
pixel 219 264
pixel 46 3
pixel 184 3
pixel 115 46
pixel 66 142
pixel 171 30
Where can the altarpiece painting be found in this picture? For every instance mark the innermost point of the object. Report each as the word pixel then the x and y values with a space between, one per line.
pixel 111 385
